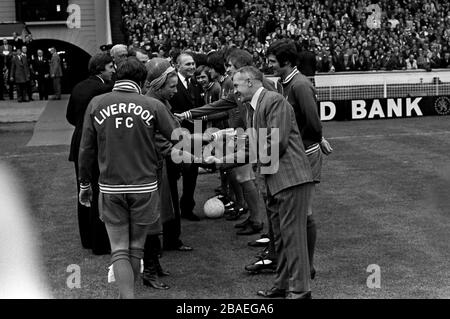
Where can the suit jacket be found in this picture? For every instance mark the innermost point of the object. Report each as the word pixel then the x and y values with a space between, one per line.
pixel 41 68
pixel 55 66
pixel 20 69
pixel 292 167
pixel 186 99
pixel 81 95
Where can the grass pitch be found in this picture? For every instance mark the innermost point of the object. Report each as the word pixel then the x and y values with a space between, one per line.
pixel 383 200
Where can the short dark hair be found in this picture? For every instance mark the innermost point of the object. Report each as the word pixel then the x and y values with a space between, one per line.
pixel 216 61
pixel 203 68
pixel 240 58
pixel 284 51
pixel 131 69
pixel 98 62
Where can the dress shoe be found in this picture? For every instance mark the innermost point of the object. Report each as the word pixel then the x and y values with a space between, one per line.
pixel 150 275
pixel 273 292
pixel 313 273
pixel 250 229
pixel 155 283
pixel 299 295
pixel 262 265
pixel 192 217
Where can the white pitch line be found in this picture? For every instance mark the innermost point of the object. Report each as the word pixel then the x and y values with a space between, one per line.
pixel 347 137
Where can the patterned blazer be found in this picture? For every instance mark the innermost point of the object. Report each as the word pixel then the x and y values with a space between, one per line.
pixel 292 167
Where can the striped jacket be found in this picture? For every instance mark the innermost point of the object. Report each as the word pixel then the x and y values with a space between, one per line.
pixel 119 132
pixel 293 168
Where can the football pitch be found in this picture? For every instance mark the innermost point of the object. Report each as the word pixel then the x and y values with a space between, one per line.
pixel 382 210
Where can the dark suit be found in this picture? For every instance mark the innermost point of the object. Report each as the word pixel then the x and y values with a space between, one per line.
pixel 42 72
pixel 20 74
pixel 92 230
pixel 289 185
pixel 184 100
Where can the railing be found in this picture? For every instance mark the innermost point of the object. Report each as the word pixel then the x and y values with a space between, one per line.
pixel 373 85
pixel 381 84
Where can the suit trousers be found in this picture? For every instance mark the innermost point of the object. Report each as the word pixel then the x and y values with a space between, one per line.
pixel 287 211
pixel 92 230
pixel 172 227
pixel 21 92
pixel 190 174
pixel 57 86
pixel 43 90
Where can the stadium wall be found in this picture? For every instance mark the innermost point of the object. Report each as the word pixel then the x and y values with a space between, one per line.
pixel 7 11
pixel 92 32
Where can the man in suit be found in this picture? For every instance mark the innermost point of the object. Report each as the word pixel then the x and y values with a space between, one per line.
pixel 20 75
pixel 42 73
pixel 56 73
pixel 244 175
pixel 288 179
pixel 92 231
pixel 301 94
pixel 28 85
pixel 188 96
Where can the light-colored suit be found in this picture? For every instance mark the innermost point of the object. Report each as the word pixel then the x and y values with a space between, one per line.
pixel 289 191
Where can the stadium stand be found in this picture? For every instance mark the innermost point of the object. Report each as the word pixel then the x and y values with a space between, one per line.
pixel 348 35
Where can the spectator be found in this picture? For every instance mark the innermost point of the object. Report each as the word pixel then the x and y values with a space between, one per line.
pixel 20 75
pixel 411 63
pixel 329 24
pixel 56 73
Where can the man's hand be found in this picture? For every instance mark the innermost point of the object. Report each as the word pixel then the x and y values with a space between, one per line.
pixel 180 116
pixel 85 196
pixel 326 147
pixel 212 160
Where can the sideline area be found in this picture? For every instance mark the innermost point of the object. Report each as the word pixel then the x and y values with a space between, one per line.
pixel 51 126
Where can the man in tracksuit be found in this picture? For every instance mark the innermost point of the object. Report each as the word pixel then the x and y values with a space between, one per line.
pixel 121 126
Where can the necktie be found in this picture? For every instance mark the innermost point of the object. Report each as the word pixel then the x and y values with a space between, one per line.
pixel 250 113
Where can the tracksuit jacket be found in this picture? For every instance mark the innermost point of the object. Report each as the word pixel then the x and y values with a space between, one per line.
pixel 119 131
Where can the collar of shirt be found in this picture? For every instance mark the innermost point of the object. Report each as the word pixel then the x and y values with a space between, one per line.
pixel 183 80
pixel 255 97
pixel 291 75
pixel 127 86
pixel 101 79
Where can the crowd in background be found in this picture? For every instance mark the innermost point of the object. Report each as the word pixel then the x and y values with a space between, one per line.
pixel 347 35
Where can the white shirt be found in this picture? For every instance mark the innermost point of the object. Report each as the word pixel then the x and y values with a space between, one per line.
pixel 183 80
pixel 255 97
